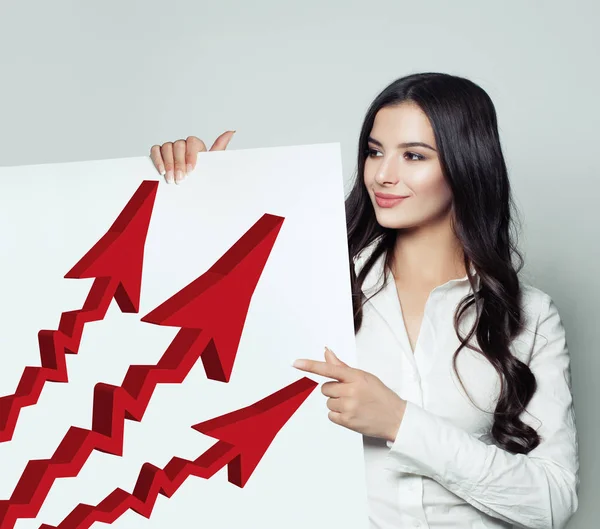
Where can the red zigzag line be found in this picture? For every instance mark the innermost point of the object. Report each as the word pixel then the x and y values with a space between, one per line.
pixel 112 405
pixel 54 345
pixel 153 481
pixel 142 500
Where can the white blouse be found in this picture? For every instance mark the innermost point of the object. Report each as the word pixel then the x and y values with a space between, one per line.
pixel 444 470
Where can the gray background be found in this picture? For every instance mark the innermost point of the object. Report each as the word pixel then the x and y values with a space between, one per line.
pixel 83 80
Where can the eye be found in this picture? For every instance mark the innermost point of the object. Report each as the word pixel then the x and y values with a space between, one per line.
pixel 371 153
pixel 419 156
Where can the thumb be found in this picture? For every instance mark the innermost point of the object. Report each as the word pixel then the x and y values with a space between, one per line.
pixel 332 359
pixel 222 141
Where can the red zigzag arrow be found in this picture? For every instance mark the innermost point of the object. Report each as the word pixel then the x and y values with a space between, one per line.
pixel 116 263
pixel 211 312
pixel 244 437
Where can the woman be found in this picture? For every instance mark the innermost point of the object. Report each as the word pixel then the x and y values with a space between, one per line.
pixel 463 389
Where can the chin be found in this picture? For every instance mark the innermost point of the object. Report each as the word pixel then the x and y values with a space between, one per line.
pixel 392 220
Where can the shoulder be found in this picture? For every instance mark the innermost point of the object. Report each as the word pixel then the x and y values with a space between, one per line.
pixel 535 303
pixel 541 319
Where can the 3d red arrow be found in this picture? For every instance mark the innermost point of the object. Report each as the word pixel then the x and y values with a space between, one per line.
pixel 244 437
pixel 211 312
pixel 218 300
pixel 116 262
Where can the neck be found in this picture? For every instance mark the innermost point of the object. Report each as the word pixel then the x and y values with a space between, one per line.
pixel 428 255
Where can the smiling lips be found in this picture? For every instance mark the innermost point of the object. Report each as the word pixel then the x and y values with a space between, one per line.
pixel 385 200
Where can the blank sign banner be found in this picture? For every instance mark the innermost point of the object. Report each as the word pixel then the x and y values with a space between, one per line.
pixel 147 335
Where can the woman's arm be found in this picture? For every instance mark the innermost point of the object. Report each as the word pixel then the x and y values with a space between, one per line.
pixel 537 490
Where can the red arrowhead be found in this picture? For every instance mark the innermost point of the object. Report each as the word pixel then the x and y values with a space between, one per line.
pixel 218 301
pixel 120 252
pixel 252 429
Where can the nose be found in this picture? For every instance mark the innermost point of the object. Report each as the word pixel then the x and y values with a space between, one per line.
pixel 387 172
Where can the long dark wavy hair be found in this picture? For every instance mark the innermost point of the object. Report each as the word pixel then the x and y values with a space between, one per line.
pixel 464 123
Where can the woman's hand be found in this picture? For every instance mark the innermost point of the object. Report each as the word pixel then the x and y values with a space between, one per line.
pixel 174 160
pixel 357 400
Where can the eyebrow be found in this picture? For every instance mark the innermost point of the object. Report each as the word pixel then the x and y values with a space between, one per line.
pixel 404 145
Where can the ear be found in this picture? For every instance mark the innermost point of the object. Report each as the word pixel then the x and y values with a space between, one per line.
pixel 332 359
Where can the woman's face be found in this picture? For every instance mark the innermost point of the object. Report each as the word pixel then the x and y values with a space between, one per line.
pixel 402 170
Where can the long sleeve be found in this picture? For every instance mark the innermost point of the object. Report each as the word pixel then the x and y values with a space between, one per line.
pixel 537 490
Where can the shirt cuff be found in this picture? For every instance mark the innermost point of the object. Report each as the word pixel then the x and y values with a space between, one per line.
pixel 427 445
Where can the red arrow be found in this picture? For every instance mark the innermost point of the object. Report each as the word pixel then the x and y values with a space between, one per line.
pixel 116 263
pixel 244 437
pixel 220 297
pixel 112 404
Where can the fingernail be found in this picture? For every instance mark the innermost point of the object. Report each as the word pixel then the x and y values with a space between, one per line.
pixel 162 171
pixel 169 177
pixel 189 168
pixel 298 363
pixel 178 177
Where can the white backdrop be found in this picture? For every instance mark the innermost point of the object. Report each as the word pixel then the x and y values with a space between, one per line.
pixel 53 214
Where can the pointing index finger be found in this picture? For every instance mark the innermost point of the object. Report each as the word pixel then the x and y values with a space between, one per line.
pixel 324 369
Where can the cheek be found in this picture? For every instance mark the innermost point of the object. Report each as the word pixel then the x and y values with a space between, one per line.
pixel 368 174
pixel 430 187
